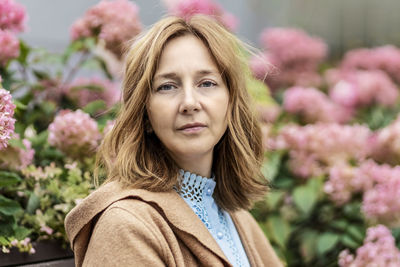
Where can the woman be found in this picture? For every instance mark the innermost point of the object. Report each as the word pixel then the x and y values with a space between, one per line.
pixel 185 116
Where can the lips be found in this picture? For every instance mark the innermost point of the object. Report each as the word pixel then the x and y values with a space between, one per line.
pixel 189 126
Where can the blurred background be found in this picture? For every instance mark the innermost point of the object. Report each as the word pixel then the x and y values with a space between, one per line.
pixel 342 24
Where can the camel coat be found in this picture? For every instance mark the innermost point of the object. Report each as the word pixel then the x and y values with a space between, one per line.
pixel 133 227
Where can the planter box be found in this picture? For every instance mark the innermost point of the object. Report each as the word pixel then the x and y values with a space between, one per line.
pixel 48 253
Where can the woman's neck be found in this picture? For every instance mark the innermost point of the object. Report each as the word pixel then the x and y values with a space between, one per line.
pixel 198 165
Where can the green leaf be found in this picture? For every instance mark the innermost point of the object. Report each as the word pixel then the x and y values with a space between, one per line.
pixel 349 242
pixel 103 66
pixel 7 225
pixel 356 232
pixel 273 198
pixel 94 107
pixel 3 241
pixel 22 232
pixel 305 197
pixel 326 242
pixel 33 203
pixel 279 229
pixel 272 164
pixel 41 75
pixel 259 91
pixel 308 245
pixel 24 51
pixel 8 178
pixel 9 206
pixel 72 48
pixel 19 105
pixel 339 224
pixel 40 139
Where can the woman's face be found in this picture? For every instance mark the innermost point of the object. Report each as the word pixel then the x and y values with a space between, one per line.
pixel 188 105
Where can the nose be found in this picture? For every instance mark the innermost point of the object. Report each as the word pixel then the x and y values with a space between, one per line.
pixel 190 101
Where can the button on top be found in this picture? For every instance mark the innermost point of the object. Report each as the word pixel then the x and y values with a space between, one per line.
pixel 220 235
pixel 208 192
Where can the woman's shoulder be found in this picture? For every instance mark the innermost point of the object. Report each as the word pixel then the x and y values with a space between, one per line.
pixel 109 196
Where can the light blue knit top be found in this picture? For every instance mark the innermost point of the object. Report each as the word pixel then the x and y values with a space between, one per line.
pixel 198 191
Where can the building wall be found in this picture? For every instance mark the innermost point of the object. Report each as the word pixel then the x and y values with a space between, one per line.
pixel 344 24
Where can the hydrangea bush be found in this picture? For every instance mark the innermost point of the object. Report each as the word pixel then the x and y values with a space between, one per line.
pixel 52 119
pixel 332 153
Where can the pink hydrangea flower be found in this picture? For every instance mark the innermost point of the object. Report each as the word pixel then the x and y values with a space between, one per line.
pixel 363 88
pixel 313 105
pixel 261 66
pixel 269 113
pixel 12 16
pixel 386 143
pixel 379 249
pixel 9 46
pixel 17 158
pixel 74 133
pixel 294 53
pixel 381 202
pixel 6 118
pixel 385 58
pixel 315 148
pixel 339 186
pixel 290 46
pixel 86 90
pixel 188 8
pixel 114 22
pixel 345 180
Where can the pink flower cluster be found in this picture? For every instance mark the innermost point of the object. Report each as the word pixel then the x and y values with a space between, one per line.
pixel 379 249
pixel 294 53
pixel 9 47
pixel 188 8
pixel 386 143
pixel 17 158
pixel 269 113
pixel 74 133
pixel 381 203
pixel 344 180
pixel 12 16
pixel 86 90
pixel 6 118
pixel 362 88
pixel 114 22
pixel 341 184
pixel 12 20
pixel 314 106
pixel 315 148
pixel 385 58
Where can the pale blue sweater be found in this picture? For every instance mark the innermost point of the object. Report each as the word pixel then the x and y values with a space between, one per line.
pixel 198 191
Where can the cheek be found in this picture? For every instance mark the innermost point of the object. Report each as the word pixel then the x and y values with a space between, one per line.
pixel 160 114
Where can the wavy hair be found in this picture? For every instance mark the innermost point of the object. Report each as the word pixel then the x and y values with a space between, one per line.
pixel 131 155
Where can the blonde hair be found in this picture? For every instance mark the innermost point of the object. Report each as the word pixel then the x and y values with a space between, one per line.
pixel 137 158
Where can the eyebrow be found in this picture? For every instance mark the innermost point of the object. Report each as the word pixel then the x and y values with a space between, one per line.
pixel 174 76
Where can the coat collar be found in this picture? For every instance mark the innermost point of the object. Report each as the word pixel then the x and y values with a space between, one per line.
pixel 169 204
